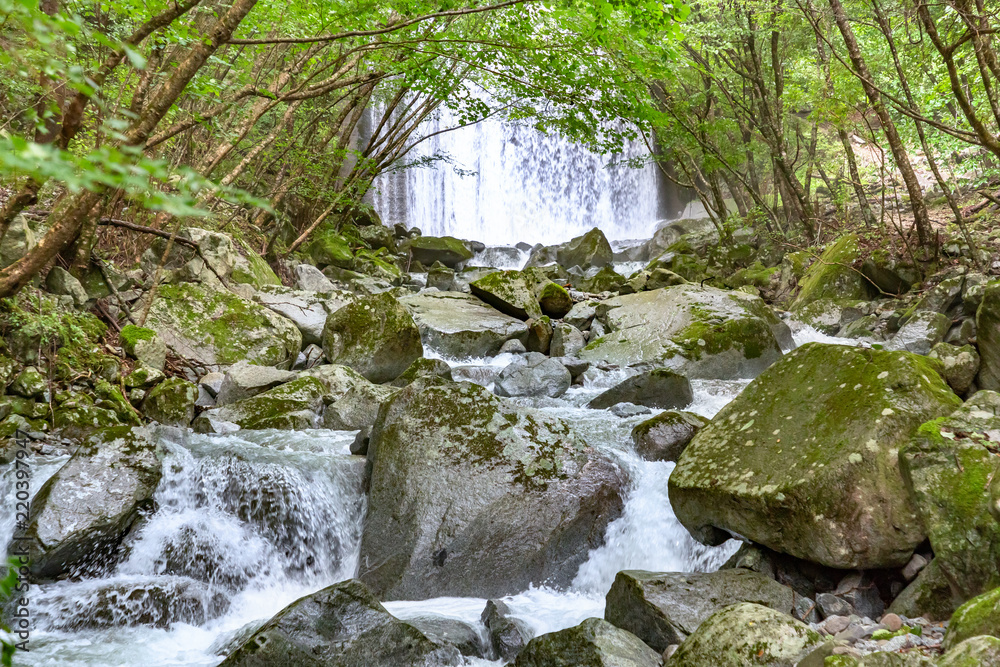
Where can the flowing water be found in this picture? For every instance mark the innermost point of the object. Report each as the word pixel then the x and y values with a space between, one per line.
pixel 248 522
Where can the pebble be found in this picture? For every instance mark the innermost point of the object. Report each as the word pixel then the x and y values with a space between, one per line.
pixel 835 624
pixel 892 622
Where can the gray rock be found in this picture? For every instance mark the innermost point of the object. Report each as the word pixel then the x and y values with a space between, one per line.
pixel 171 402
pixel 310 279
pixel 961 364
pixel 375 336
pixel 664 608
pixel 243 380
pixel 212 263
pixel 497 497
pixel 664 437
pixel 575 366
pixel 531 376
pixel 860 592
pixel 213 382
pixel 62 282
pixel 921 332
pixel 423 367
pixel 343 624
pixel 29 383
pixel 700 332
pixel 539 335
pixel 513 347
pixel 151 353
pixel 508 635
pixel 450 632
pixel 18 240
pixel 831 605
pixel 582 314
pixel 361 441
pixel 293 405
pixel 459 325
pixel 805 610
pixel 659 388
pixel 567 340
pixel 628 410
pixel 307 310
pixel 80 515
pixel 595 643
pixel 591 249
pixel 352 402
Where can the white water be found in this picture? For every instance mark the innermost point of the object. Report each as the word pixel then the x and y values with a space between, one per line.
pixel 508 183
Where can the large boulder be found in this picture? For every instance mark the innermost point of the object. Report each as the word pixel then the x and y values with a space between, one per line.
pixel 591 249
pixel 659 388
pixel 833 275
pixel 664 608
pixel 352 402
pixel 459 325
pixel 664 437
pixel 533 374
pixel 243 380
pixel 445 249
pixel 746 634
pixel 343 624
pixel 214 328
pixel 510 292
pixel 700 332
pixel 295 405
pixel 981 651
pixel 593 643
pixel 804 460
pixel 988 333
pixel 473 496
pixel 978 616
pixel 307 310
pixel 921 332
pixel 948 467
pixel 212 261
pixel 375 336
pixel 508 634
pixel 80 515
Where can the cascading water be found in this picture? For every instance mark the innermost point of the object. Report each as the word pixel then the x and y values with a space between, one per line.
pixel 503 184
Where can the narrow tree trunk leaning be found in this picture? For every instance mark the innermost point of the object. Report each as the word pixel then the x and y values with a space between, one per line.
pixel 920 216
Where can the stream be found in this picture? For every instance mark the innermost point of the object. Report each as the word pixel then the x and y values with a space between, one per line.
pixel 248 522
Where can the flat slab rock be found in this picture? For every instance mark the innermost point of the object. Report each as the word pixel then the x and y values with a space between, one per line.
pixel 460 325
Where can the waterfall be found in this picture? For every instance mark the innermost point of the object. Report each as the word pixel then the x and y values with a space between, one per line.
pixel 502 183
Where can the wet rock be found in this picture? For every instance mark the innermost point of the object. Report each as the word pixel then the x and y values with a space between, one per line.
pixel 450 632
pixel 961 364
pixel 510 292
pixel 664 608
pixel 755 469
pixel 294 405
pixel 594 642
pixel 423 367
pixel 746 634
pixel 375 336
pixel 343 624
pixel 567 340
pixel 591 249
pixel 981 651
pixel 445 249
pixel 625 410
pixel 80 515
pixel 513 347
pixel 460 325
pixel 946 467
pixel 700 332
pixel 497 497
pixel 171 402
pixel 833 276
pixel 921 333
pixel 664 437
pixel 243 380
pixel 215 328
pixel 659 388
pixel 533 374
pixel 508 635
pixel 352 402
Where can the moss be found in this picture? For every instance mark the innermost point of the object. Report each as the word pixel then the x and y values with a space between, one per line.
pixel 978 651
pixel 833 276
pixel 254 269
pixel 509 292
pixel 132 334
pixel 978 616
pixel 330 248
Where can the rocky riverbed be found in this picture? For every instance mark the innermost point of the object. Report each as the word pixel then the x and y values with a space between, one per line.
pixel 660 452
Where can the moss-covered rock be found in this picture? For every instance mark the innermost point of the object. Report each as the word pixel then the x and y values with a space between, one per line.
pixel 981 651
pixel 375 335
pixel 960 365
pixel 343 624
pixel 700 332
pixel 593 643
pixel 171 402
pixel 948 467
pixel 746 634
pixel 554 300
pixel 664 437
pixel 824 315
pixel 461 326
pixel 663 608
pixel 445 249
pixel 659 388
pixel 78 421
pixel 804 461
pixel 215 328
pixel 833 275
pixel 978 616
pixel 423 367
pixel 510 292
pixel 988 333
pixel 604 280
pixel 591 249
pixel 213 260
pixel 330 248
pixel 929 595
pixel 471 495
pixel 29 383
pixel 352 402
pixel 252 269
pixel 294 405
pixel 81 513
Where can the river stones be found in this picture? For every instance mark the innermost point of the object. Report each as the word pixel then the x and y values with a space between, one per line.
pixel 343 624
pixel 805 460
pixel 553 299
pixel 459 325
pixel 308 310
pixel 244 380
pixel 445 249
pixel 567 340
pixel 533 374
pixel 352 402
pixel 960 365
pixel 664 437
pixel 746 634
pixel 294 405
pixel 424 367
pixel 833 276
pixel 214 328
pixel 508 635
pixel 473 496
pixel 510 292
pixel 595 643
pixel 80 515
pixel 171 402
pixel 659 388
pixel 921 332
pixel 663 608
pixel 700 332
pixel 591 249
pixel 375 336
pixel 948 467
